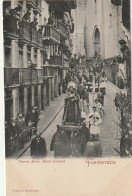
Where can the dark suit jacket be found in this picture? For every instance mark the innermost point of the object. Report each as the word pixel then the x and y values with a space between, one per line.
pixel 38 147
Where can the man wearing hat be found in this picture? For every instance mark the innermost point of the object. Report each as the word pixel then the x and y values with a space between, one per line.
pixel 33 117
pixel 38 146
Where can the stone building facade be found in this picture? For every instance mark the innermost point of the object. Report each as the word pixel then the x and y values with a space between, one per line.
pixel 79 17
pixel 37 47
pixel 103 29
pixel 108 22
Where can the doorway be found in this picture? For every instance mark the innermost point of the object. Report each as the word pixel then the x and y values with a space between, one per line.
pixel 96 43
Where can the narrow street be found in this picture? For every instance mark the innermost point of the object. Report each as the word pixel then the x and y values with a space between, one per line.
pixel 109 134
pixel 109 131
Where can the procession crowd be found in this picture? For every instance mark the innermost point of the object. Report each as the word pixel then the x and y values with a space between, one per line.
pixel 123 106
pixel 19 130
pixel 78 134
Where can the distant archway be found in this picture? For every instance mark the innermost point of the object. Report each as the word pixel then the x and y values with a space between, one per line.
pixel 96 42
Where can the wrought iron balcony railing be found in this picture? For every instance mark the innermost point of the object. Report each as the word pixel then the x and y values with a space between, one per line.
pixel 34 76
pixel 24 31
pixel 56 60
pixel 22 76
pixel 25 76
pixel 51 33
pixel 11 76
pixel 62 28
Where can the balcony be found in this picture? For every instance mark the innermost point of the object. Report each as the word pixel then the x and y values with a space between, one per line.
pixel 25 76
pixel 51 34
pixel 24 31
pixel 30 4
pixel 34 76
pixel 10 26
pixel 62 29
pixel 56 60
pixel 66 45
pixel 11 76
pixel 38 9
pixel 22 76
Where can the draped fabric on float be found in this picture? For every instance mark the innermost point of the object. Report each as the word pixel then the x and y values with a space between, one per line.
pixel 71 111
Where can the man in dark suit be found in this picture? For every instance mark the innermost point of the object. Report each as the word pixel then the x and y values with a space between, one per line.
pixel 21 130
pixel 60 143
pixel 33 117
pixel 38 147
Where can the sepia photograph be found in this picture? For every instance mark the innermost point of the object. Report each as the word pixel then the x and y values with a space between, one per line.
pixel 67 79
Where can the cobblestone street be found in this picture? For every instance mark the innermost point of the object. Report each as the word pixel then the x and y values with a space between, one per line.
pixel 109 134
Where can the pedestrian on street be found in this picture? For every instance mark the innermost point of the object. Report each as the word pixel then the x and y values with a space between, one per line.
pixel 14 132
pixel 100 98
pixel 94 120
pixel 116 101
pixel 33 117
pixel 38 147
pixel 78 143
pixel 85 130
pixel 21 128
pixel 103 87
pixel 99 108
pixel 60 143
pixel 93 148
pixel 125 143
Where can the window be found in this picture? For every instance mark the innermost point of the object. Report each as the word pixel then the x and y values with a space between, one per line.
pixel 7 57
pixel 20 58
pixel 110 20
pixel 95 6
pixel 45 21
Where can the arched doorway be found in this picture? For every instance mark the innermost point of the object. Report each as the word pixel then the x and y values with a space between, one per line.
pixel 96 42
